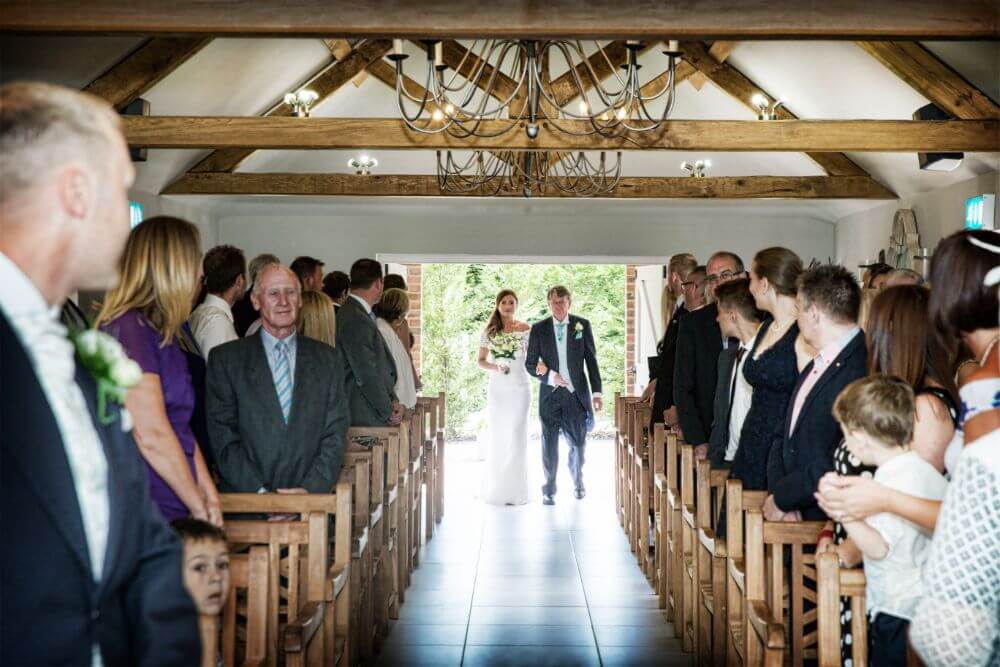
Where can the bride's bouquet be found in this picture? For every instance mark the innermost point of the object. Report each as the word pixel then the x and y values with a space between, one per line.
pixel 504 347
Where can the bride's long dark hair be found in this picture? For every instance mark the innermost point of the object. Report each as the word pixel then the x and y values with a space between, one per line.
pixel 495 325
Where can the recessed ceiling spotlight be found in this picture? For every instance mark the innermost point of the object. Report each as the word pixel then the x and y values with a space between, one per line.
pixel 302 101
pixel 362 164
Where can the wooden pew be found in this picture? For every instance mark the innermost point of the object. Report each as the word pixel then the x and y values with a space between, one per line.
pixel 429 427
pixel 315 586
pixel 737 501
pixel 439 459
pixel 374 577
pixel 766 585
pixel 687 619
pixel 710 487
pixel 657 472
pixel 834 583
pixel 619 435
pixel 248 581
pixel 384 530
pixel 675 534
pixel 642 485
pixel 356 472
pixel 665 482
pixel 418 422
pixel 629 484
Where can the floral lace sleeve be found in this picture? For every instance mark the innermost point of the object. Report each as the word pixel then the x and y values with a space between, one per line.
pixel 958 621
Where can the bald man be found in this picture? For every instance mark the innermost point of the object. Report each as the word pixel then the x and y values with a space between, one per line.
pixel 277 413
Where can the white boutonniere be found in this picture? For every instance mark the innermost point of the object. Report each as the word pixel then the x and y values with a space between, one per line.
pixel 105 359
pixel 579 330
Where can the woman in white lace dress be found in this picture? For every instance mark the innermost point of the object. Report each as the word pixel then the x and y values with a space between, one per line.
pixel 505 471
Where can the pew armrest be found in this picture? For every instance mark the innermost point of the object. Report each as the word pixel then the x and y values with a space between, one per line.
pixel 661 482
pixel 300 632
pixel 339 575
pixel 771 633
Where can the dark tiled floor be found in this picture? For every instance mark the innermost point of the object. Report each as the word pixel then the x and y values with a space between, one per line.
pixel 530 585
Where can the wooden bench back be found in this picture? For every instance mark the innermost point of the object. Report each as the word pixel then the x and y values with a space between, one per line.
pixel 246 607
pixel 298 549
pixel 768 579
pixel 834 583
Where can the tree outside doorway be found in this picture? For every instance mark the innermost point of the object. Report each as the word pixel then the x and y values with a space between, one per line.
pixel 457 301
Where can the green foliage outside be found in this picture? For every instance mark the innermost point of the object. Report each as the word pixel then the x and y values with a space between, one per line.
pixel 458 300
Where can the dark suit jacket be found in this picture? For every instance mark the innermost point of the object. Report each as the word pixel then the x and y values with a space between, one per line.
pixel 51 611
pixel 244 314
pixel 719 439
pixel 797 462
pixel 699 341
pixel 252 444
pixel 580 352
pixel 370 372
pixel 663 396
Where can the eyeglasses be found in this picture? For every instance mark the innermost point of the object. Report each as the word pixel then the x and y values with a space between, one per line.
pixel 725 276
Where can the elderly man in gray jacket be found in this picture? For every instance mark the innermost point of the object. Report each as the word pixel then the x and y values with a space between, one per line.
pixel 276 407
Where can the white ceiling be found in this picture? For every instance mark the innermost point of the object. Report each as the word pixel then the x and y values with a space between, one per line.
pixel 230 76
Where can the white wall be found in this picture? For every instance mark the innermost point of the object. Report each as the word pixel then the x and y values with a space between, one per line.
pixel 340 231
pixel 939 213
pixel 200 214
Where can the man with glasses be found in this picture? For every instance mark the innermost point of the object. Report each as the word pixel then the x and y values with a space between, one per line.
pixel 699 342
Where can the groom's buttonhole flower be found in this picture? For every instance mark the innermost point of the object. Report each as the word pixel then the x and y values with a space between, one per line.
pixel 105 359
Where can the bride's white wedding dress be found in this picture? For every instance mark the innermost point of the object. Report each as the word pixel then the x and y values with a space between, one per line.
pixel 508 399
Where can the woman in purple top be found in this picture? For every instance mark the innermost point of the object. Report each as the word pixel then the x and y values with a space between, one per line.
pixel 160 273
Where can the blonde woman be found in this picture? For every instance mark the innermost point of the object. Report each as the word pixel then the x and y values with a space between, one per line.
pixel 160 273
pixel 317 318
pixel 392 311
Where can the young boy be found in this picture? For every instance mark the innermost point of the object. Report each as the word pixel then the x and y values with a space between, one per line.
pixel 876 415
pixel 206 577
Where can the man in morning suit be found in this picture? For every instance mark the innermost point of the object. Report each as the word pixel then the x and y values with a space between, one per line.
pixel 559 348
pixel 829 301
pixel 699 342
pixel 89 572
pixel 370 370
pixel 277 414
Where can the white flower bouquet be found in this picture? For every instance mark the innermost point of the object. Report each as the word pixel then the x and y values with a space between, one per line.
pixel 504 347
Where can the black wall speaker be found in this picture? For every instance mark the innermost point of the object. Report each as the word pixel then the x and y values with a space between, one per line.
pixel 936 161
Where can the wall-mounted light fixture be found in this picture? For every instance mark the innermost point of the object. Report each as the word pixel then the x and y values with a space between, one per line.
pixel 766 109
pixel 302 101
pixel 698 169
pixel 362 164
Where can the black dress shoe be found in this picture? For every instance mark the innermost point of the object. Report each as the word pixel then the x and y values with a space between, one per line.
pixel 548 500
pixel 580 493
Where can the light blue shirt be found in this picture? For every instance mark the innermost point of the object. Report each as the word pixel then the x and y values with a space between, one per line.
pixel 561 350
pixel 270 342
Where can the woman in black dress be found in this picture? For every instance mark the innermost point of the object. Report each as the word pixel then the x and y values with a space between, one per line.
pixel 900 343
pixel 771 369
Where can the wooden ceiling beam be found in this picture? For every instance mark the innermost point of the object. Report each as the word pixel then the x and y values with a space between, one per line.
pixel 624 19
pixel 142 69
pixel 742 89
pixel 386 185
pixel 821 136
pixel 324 83
pixel 929 76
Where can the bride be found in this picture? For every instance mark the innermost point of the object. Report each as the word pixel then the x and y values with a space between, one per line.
pixel 508 400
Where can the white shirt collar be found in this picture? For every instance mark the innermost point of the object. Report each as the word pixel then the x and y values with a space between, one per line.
pixel 19 297
pixel 565 321
pixel 364 304
pixel 217 302
pixel 832 350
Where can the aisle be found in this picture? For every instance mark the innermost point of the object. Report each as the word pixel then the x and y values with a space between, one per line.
pixel 530 585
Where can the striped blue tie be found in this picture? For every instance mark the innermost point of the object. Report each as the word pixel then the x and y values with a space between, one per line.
pixel 283 378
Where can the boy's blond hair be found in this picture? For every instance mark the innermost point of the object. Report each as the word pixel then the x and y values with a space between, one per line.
pixel 881 406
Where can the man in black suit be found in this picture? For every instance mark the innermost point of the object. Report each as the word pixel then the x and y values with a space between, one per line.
pixel 89 572
pixel 276 407
pixel 559 348
pixel 829 301
pixel 370 369
pixel 739 320
pixel 699 342
pixel 686 288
